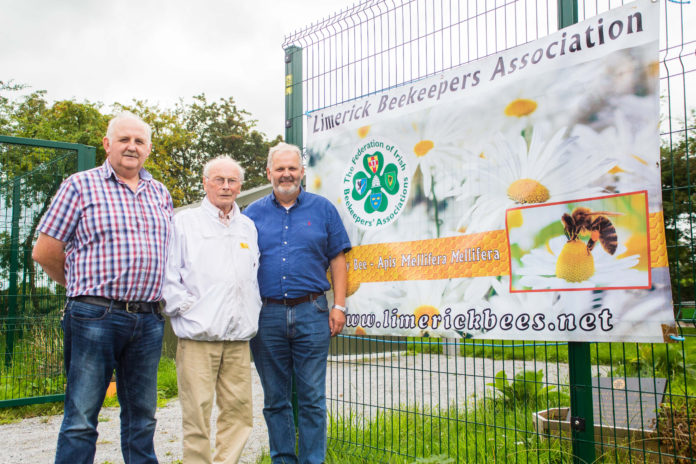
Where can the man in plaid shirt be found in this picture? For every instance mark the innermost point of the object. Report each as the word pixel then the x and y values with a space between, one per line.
pixel 105 238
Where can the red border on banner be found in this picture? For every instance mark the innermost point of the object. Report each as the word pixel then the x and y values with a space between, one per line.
pixel 647 236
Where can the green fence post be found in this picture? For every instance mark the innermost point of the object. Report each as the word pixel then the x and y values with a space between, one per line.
pixel 293 95
pixel 567 13
pixel 13 290
pixel 581 413
pixel 86 157
pixel 579 360
pixel 293 129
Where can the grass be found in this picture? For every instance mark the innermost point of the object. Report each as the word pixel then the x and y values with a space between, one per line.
pixel 487 432
pixel 166 389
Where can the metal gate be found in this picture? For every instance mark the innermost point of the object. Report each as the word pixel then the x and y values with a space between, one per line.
pixel 408 401
pixel 31 368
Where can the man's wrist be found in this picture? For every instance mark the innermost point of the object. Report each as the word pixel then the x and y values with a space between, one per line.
pixel 343 309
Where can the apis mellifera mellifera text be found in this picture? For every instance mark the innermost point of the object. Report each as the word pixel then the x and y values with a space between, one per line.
pixel 596 223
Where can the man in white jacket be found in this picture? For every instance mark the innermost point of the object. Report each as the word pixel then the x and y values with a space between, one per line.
pixel 212 297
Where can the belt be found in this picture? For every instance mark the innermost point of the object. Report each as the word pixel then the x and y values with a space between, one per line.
pixel 292 301
pixel 142 307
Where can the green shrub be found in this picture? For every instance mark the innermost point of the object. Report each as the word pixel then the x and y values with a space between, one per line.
pixel 525 388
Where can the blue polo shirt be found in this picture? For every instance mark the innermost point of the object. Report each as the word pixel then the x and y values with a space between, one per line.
pixel 296 244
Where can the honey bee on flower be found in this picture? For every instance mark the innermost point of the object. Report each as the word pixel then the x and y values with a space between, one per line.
pixel 564 238
pixel 573 265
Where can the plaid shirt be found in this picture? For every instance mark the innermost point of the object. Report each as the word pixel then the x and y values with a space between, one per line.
pixel 116 239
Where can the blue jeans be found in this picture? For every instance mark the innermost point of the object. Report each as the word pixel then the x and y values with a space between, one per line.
pixel 97 340
pixel 294 339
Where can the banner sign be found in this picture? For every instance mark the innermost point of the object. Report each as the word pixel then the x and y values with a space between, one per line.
pixel 515 197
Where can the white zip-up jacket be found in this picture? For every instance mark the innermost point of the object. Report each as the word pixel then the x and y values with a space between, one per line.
pixel 210 287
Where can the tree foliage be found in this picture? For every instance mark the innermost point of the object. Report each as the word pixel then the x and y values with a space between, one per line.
pixel 678 158
pixel 36 173
pixel 184 138
pixel 190 134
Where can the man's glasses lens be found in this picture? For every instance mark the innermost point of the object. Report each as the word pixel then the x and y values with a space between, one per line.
pixel 220 181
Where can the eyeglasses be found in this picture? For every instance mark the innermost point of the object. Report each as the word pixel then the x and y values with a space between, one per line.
pixel 220 181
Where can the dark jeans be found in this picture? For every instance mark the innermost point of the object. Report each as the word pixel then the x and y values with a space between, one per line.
pixel 96 341
pixel 294 339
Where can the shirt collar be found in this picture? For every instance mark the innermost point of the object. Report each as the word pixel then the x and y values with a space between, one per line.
pixel 216 212
pixel 298 200
pixel 107 171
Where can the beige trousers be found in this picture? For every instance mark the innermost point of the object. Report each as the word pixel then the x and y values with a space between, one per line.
pixel 208 369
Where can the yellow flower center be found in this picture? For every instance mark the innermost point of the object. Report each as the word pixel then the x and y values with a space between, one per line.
pixel 528 191
pixel 426 310
pixel 423 147
pixel 574 263
pixel 514 218
pixel 637 244
pixel 317 183
pixel 363 131
pixel 521 107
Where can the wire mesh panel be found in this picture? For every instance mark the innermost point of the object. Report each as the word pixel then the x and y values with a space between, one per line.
pixel 429 400
pixel 31 369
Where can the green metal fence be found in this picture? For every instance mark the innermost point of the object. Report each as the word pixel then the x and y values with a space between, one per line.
pixel 31 368
pixel 430 400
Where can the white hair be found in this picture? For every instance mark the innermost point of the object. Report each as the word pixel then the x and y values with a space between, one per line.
pixel 282 146
pixel 123 116
pixel 212 162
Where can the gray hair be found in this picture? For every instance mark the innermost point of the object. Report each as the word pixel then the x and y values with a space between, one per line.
pixel 212 162
pixel 282 146
pixel 123 116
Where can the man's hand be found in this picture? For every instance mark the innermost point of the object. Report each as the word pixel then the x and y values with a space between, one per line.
pixel 336 321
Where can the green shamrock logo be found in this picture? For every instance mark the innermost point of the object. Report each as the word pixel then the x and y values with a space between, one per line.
pixel 374 182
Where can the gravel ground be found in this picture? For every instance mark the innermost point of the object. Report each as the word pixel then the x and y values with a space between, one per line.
pixel 34 440
pixel 356 384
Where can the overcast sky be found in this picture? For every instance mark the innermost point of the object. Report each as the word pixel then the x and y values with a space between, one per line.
pixel 159 51
pixel 119 50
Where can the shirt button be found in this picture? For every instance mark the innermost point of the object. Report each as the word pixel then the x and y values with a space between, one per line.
pixel 285 294
pixel 285 243
pixel 286 227
pixel 283 277
pixel 283 259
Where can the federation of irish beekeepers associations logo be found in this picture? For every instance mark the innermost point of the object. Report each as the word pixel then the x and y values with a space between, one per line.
pixel 375 184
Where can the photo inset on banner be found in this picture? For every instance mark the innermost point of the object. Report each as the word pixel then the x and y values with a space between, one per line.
pixel 594 243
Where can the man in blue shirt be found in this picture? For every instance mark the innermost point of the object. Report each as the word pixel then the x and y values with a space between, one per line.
pixel 300 236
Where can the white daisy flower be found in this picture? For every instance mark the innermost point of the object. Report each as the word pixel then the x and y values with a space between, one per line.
pixel 551 98
pixel 540 269
pixel 634 144
pixel 510 174
pixel 433 136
